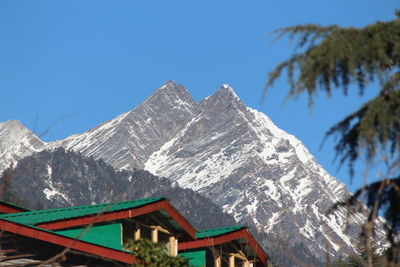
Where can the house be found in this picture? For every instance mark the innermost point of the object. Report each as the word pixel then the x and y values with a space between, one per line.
pixel 228 246
pixel 94 235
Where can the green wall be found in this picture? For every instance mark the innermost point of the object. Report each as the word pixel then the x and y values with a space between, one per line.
pixel 196 258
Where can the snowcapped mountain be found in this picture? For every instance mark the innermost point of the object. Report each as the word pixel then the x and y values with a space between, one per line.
pixel 231 154
pixel 59 178
pixel 263 176
pixel 127 141
pixel 16 142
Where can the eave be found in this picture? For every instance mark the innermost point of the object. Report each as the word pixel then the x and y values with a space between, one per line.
pixel 63 241
pixel 218 240
pixel 123 214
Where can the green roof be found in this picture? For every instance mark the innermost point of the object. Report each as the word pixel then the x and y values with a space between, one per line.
pixel 107 235
pixel 81 239
pixel 217 231
pixel 43 216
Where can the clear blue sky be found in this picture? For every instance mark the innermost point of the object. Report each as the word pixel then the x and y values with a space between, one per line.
pixel 102 58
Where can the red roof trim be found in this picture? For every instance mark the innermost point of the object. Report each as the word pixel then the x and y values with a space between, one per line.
pixel 6 209
pixel 255 246
pixel 213 241
pixel 116 215
pixel 179 219
pixel 67 242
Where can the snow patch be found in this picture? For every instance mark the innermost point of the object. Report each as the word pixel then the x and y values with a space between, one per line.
pixel 252 207
pixel 301 151
pixel 52 191
pixel 275 218
pixel 49 171
pixel 272 191
pixel 307 230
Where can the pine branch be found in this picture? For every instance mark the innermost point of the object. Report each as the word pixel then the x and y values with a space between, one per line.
pixel 372 128
pixel 333 59
pixel 337 57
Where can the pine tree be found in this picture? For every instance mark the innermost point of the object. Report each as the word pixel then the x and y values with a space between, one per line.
pixel 153 254
pixel 333 58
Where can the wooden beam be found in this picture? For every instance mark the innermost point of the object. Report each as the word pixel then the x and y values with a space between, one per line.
pixel 173 250
pixel 217 260
pixel 232 261
pixel 19 256
pixel 154 235
pixel 161 229
pixel 137 234
pixel 241 253
pixel 238 255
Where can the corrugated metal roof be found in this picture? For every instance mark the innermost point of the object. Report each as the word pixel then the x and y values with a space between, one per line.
pixel 106 235
pixel 217 231
pixel 69 236
pixel 42 216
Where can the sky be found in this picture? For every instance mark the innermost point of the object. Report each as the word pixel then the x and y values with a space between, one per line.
pixel 72 65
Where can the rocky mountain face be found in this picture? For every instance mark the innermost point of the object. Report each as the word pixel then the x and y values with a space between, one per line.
pixel 127 141
pixel 261 175
pixel 60 178
pixel 16 142
pixel 234 156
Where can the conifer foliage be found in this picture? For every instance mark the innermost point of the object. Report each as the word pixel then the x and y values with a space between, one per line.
pixel 331 59
pixel 149 254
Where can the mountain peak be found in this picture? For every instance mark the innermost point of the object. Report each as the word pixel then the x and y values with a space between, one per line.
pixel 14 128
pixel 170 82
pixel 227 93
pixel 171 86
pixel 223 98
pixel 133 136
pixel 168 85
pixel 12 123
pixel 229 90
pixel 16 142
pixel 172 91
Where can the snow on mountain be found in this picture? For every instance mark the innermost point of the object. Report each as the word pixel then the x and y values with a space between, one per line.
pixel 59 178
pixel 233 155
pixel 263 176
pixel 16 142
pixel 128 140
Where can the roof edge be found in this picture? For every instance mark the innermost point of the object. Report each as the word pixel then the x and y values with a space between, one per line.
pixel 227 237
pixel 12 208
pixel 58 239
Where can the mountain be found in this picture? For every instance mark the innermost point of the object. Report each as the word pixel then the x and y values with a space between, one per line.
pixel 237 158
pixel 127 141
pixel 59 178
pixel 233 155
pixel 16 142
pixel 261 175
